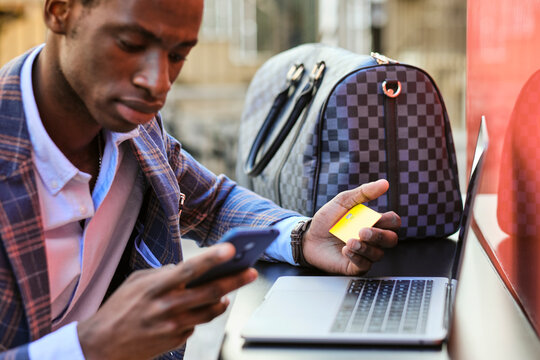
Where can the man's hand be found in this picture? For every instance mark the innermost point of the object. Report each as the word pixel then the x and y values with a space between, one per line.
pixel 325 251
pixel 153 312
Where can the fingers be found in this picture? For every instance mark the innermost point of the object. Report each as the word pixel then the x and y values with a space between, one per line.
pixel 153 311
pixel 371 241
pixel 166 292
pixel 178 327
pixel 364 193
pixel 214 291
pixel 361 263
pixel 368 251
pixel 369 247
pixel 381 238
pixel 199 315
pixel 389 220
pixel 182 273
pixel 209 294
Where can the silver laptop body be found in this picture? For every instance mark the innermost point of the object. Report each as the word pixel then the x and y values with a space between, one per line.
pixel 381 310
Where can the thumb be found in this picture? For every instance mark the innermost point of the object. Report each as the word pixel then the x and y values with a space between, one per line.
pixel 364 193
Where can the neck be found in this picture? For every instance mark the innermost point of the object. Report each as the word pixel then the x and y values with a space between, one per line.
pixel 64 116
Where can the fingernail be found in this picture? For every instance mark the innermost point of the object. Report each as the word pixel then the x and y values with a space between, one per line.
pixel 222 250
pixel 251 275
pixel 355 245
pixel 367 233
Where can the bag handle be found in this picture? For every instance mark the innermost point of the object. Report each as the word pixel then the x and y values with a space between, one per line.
pixel 253 168
pixel 294 75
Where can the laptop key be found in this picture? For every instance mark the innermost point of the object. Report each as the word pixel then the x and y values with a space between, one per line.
pixel 347 307
pixel 398 304
pixel 364 306
pixel 389 306
pixel 414 306
pixel 381 305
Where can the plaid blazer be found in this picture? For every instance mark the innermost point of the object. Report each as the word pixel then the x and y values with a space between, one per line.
pixel 213 204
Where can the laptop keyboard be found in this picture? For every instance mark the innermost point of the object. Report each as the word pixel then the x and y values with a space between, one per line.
pixel 384 306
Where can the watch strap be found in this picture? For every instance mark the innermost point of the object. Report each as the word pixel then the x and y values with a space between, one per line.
pixel 297 242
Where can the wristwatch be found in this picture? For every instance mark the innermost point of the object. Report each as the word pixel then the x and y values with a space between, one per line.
pixel 297 239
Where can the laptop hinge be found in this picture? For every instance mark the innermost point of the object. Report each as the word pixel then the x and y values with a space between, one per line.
pixel 449 300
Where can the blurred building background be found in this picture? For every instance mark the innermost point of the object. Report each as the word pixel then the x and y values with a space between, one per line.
pixel 204 108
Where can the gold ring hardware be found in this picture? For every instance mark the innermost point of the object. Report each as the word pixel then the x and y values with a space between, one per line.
pixel 383 60
pixel 317 71
pixel 390 92
pixel 295 72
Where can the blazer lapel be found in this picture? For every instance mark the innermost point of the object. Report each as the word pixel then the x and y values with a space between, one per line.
pixel 164 202
pixel 151 154
pixel 20 220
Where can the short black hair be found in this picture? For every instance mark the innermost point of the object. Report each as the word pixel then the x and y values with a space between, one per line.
pixel 89 2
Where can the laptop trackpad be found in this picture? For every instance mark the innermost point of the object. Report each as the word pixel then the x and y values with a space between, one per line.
pixel 288 312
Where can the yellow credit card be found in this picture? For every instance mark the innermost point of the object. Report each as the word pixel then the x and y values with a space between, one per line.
pixel 348 227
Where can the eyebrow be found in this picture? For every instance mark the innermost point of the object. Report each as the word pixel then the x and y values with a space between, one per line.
pixel 151 36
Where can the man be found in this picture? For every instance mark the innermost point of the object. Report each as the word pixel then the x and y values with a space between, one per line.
pixel 92 189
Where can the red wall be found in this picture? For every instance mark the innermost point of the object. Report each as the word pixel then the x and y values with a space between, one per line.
pixel 503 84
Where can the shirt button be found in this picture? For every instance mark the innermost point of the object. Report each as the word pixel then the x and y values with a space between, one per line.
pixel 54 184
pixel 82 209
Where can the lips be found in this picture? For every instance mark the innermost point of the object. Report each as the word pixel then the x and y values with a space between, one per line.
pixel 137 111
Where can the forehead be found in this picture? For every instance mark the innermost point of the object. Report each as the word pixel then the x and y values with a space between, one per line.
pixel 176 20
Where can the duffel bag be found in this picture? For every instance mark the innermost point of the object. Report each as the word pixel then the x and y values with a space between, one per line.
pixel 319 120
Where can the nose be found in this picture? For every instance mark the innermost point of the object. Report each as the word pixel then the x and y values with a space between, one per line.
pixel 153 75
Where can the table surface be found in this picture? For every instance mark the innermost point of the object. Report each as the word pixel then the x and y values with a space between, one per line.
pixel 487 324
pixel 430 257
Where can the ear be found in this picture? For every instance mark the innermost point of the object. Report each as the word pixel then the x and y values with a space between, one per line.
pixel 57 14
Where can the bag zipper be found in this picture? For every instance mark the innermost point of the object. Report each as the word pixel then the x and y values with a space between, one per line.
pixel 378 57
pixel 383 60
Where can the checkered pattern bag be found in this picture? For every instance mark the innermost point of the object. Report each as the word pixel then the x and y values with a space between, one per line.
pixel 518 203
pixel 304 137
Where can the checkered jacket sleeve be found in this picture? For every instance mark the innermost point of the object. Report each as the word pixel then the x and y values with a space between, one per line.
pixel 214 204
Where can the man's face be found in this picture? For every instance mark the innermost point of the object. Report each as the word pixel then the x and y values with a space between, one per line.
pixel 121 57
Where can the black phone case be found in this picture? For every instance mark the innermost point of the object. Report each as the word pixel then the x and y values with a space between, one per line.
pixel 250 244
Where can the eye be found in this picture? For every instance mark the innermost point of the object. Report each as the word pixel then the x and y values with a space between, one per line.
pixel 130 46
pixel 176 58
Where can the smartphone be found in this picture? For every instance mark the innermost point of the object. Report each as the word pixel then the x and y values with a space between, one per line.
pixel 250 244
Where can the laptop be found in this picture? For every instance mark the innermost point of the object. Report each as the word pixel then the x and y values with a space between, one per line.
pixel 366 310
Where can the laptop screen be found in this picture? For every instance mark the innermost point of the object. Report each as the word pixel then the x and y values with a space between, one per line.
pixel 472 189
